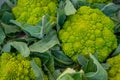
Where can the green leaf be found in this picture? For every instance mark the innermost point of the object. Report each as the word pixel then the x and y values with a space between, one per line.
pixel 39 30
pixel 77 76
pixel 61 59
pixel 63 76
pixel 45 44
pixel 66 77
pixel 83 61
pixel 34 31
pixel 7 16
pixel 56 74
pixel 16 23
pixel 100 74
pixel 117 51
pixel 47 59
pixel 75 3
pixel 37 70
pixel 61 16
pixel 21 47
pixel 50 63
pixel 6 48
pixel 69 8
pixel 110 9
pixel 10 28
pixel 70 74
pixel 2 35
pixel 97 5
pixel 51 77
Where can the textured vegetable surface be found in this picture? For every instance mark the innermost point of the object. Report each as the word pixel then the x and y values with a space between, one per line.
pixel 31 11
pixel 88 31
pixel 114 71
pixel 16 67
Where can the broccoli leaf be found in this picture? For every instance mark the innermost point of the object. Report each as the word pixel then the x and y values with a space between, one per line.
pixel 21 47
pixel 110 9
pixel 10 28
pixel 70 74
pixel 45 44
pixel 6 17
pixel 60 16
pixel 61 59
pixel 38 31
pixel 69 8
pixel 37 70
pixel 6 48
pixel 2 35
pixel 100 74
pixel 117 51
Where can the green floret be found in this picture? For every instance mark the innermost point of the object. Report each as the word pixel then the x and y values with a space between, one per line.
pixel 31 11
pixel 16 67
pixel 88 31
pixel 99 1
pixel 114 71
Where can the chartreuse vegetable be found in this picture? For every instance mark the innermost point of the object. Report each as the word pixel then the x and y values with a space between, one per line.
pixel 114 71
pixel 31 11
pixel 88 31
pixel 16 67
pixel 99 1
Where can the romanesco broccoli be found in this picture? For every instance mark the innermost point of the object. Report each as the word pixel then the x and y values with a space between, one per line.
pixel 16 67
pixel 88 31
pixel 114 71
pixel 31 11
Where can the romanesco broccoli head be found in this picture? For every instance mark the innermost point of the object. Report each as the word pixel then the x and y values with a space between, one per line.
pixel 114 70
pixel 99 1
pixel 16 67
pixel 31 11
pixel 88 31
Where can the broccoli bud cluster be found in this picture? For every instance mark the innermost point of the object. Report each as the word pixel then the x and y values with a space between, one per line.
pixel 16 67
pixel 114 71
pixel 31 11
pixel 88 31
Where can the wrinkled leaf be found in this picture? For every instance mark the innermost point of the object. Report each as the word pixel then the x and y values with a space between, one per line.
pixel 100 74
pixel 34 31
pixel 6 17
pixel 60 16
pixel 47 59
pixel 70 74
pixel 6 48
pixel 56 74
pixel 97 5
pixel 83 61
pixel 45 44
pixel 37 71
pixel 61 59
pixel 66 77
pixel 68 70
pixel 50 63
pixel 16 23
pixel 21 47
pixel 2 35
pixel 75 3
pixel 117 51
pixel 39 30
pixel 9 28
pixel 106 66
pixel 69 8
pixel 110 9
pixel 51 77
